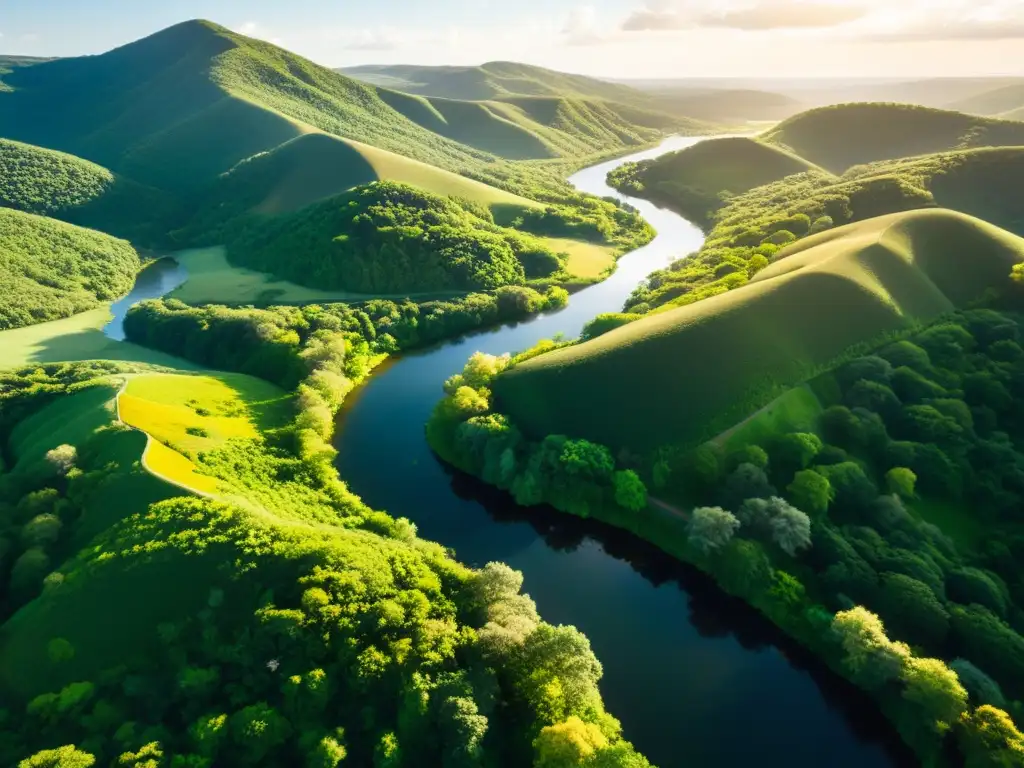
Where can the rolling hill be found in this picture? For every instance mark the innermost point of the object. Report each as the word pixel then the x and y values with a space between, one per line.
pixel 728 105
pixel 692 180
pixel 842 136
pixel 999 102
pixel 823 295
pixel 50 270
pixel 180 107
pixel 56 184
pixel 493 80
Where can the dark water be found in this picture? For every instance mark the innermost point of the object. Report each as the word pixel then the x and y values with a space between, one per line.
pixel 697 679
pixel 156 280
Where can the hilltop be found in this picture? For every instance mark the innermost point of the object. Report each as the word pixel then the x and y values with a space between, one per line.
pixel 50 270
pixel 694 179
pixel 56 184
pixel 178 108
pixel 845 135
pixel 822 296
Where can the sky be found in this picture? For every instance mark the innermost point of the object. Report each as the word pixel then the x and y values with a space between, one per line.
pixel 605 38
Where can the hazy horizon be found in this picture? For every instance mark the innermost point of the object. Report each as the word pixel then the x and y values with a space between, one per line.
pixel 623 39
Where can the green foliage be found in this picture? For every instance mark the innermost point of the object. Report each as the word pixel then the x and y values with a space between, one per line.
pixel 50 270
pixel 62 757
pixel 838 137
pixel 388 238
pixel 936 689
pixel 711 528
pixel 630 491
pixel 811 491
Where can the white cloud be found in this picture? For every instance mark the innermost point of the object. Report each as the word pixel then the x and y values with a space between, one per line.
pixel 877 20
pixel 583 27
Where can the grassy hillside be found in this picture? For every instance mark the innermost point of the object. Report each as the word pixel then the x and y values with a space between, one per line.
pixel 823 295
pixel 50 183
pixel 998 101
pixel 49 269
pixel 839 137
pixel 178 108
pixel 694 179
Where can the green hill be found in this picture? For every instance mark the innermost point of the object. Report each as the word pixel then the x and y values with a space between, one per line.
pixel 686 374
pixel 178 108
pixel 842 136
pixel 998 101
pixel 56 184
pixel 692 180
pixel 727 105
pixel 316 166
pixel 391 238
pixel 50 270
pixel 493 80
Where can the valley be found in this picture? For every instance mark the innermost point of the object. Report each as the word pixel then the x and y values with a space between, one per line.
pixel 486 416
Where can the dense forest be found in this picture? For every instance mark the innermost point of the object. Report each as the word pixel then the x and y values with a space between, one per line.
pixel 334 635
pixel 882 535
pixel 389 238
pixel 50 270
pixel 749 230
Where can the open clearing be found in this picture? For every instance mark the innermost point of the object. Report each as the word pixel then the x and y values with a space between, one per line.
pixel 186 415
pixel 79 337
pixel 585 259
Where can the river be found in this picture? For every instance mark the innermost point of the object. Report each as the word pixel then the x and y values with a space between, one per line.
pixel 697 678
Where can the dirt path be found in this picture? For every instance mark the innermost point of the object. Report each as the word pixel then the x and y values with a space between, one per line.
pixel 668 508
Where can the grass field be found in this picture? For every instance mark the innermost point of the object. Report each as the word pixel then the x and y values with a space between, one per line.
pixel 687 374
pixel 187 415
pixel 585 259
pixel 796 410
pixel 213 280
pixel 79 337
pixel 316 165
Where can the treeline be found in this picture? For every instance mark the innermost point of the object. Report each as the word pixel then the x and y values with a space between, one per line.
pixel 307 644
pixel 50 270
pixel 389 238
pixel 886 540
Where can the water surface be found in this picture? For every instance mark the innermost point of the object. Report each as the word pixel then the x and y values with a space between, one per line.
pixel 697 678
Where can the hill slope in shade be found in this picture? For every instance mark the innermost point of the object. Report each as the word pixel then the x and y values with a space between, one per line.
pixel 684 375
pixel 50 270
pixel 842 136
pixel 56 184
pixel 315 166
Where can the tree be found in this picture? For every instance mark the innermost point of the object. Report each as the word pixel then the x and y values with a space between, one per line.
pixel 791 528
pixel 558 672
pixel 936 689
pixel 749 454
pixel 258 730
pixel 875 397
pixel 854 490
pixel 871 368
pixel 746 482
pixel 388 753
pixel 67 756
pixel 901 481
pixel 587 460
pixel 630 491
pixel 872 658
pixel 980 687
pixel 462 730
pixel 149 756
pixel 973 585
pixel 62 459
pixel 569 744
pixel 912 610
pixel 811 491
pixel 989 737
pixel 60 650
pixel 329 752
pixel 980 634
pixel 711 528
pixel 797 450
pixel 42 530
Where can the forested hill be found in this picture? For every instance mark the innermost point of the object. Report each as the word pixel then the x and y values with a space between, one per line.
pixel 181 106
pixel 845 135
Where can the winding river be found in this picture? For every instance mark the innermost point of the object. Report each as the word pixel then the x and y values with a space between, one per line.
pixel 697 678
